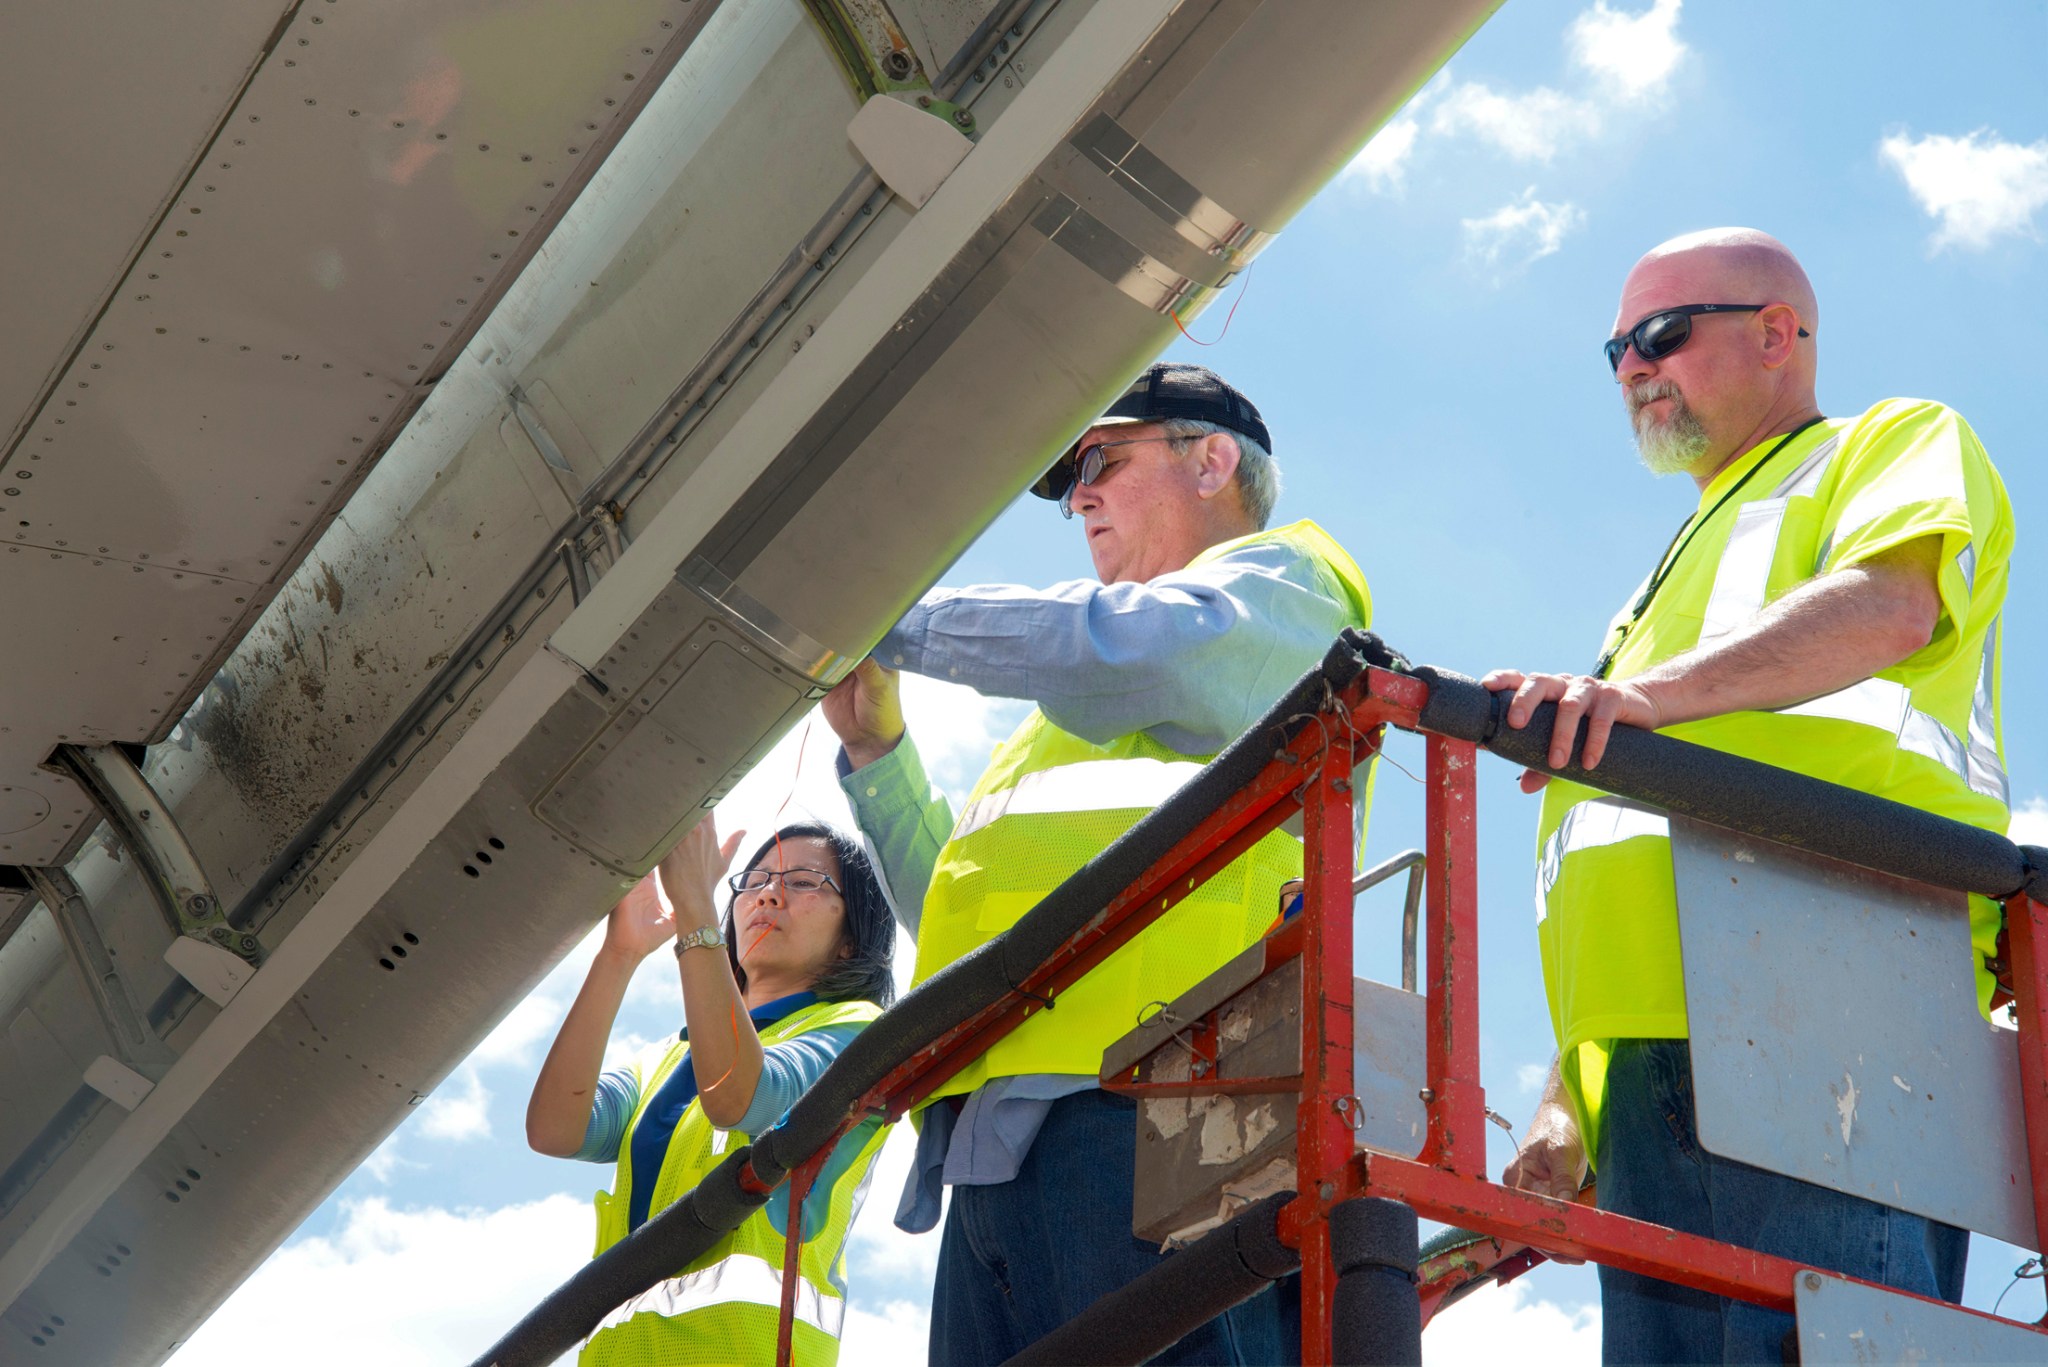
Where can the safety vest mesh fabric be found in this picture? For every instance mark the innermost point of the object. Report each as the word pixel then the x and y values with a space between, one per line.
pixel 1047 804
pixel 724 1307
pixel 1924 733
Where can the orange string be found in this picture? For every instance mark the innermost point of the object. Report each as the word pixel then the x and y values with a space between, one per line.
pixel 794 780
pixel 1242 287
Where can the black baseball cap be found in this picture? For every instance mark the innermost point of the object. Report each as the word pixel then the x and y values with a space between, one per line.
pixel 1167 390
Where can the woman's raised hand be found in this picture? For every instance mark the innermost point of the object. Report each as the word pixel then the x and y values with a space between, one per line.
pixel 641 922
pixel 690 874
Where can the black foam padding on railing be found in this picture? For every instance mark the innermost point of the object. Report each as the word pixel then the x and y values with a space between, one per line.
pixel 1458 706
pixel 1377 1318
pixel 1746 796
pixel 661 1248
pixel 1149 1314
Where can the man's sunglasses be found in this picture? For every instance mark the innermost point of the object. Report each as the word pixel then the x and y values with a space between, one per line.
pixel 1665 331
pixel 1090 465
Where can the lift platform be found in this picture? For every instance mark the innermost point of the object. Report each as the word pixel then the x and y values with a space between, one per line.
pixel 1289 1073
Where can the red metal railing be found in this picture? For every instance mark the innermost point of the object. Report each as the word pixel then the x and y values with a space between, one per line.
pixel 1447 1181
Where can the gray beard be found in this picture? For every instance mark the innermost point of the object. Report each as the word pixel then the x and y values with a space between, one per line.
pixel 1675 446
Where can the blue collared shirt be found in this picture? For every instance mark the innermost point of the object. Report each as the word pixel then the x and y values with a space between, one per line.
pixel 1191 658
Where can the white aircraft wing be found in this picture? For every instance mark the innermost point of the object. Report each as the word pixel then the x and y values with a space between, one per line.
pixel 447 443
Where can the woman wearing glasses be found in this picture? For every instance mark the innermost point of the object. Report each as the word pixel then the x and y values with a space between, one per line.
pixel 772 991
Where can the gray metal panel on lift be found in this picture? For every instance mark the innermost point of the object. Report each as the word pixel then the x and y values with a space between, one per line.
pixel 237 287
pixel 1192 1150
pixel 1862 1326
pixel 1835 1033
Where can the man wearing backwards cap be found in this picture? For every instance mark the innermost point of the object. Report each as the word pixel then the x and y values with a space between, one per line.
pixel 1200 620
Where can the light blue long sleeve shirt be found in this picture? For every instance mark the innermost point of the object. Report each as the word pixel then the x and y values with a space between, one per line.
pixel 1192 658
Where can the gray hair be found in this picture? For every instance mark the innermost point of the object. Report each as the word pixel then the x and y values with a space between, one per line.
pixel 1258 477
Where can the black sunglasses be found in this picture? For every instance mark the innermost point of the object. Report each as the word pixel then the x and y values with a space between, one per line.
pixel 1666 330
pixel 1090 465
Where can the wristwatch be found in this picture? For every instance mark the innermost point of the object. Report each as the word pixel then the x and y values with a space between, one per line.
pixel 709 937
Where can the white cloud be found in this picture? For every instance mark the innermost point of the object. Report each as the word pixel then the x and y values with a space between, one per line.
pixel 1627 60
pixel 884 1263
pixel 956 728
pixel 1530 1077
pixel 517 1040
pixel 445 1283
pixel 1632 55
pixel 1523 230
pixel 626 1045
pixel 1621 61
pixel 458 1110
pixel 1382 163
pixel 1508 1324
pixel 1978 187
pixel 384 1163
pixel 397 1287
pixel 893 1334
pixel 2030 823
pixel 1529 126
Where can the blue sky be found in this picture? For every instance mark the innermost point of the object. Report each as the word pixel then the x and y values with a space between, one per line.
pixel 1424 343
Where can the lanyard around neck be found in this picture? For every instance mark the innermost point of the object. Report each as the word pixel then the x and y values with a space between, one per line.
pixel 1680 540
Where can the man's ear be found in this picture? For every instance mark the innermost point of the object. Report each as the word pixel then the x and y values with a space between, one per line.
pixel 1780 334
pixel 1216 464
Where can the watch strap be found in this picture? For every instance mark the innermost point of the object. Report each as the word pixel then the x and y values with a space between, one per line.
pixel 705 937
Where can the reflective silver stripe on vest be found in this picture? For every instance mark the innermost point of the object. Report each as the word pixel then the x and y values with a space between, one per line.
pixel 1804 482
pixel 740 1278
pixel 1599 821
pixel 1987 775
pixel 1966 561
pixel 1093 785
pixel 1889 707
pixel 1741 584
pixel 1743 576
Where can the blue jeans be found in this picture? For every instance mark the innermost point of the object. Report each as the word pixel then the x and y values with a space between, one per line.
pixel 1651 1167
pixel 1022 1257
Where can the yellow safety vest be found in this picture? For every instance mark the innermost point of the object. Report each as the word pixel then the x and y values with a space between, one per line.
pixel 1924 732
pixel 1047 804
pixel 724 1307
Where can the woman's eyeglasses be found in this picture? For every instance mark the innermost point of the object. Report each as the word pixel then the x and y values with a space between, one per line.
pixel 793 880
pixel 1666 330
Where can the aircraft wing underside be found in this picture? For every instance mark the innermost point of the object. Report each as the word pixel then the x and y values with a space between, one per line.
pixel 437 442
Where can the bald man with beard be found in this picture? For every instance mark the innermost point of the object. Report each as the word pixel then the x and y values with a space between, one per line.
pixel 1831 606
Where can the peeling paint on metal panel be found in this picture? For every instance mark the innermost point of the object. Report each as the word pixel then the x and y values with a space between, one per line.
pixel 1258 1123
pixel 1222 1137
pixel 1845 1103
pixel 1228 1135
pixel 1168 1115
